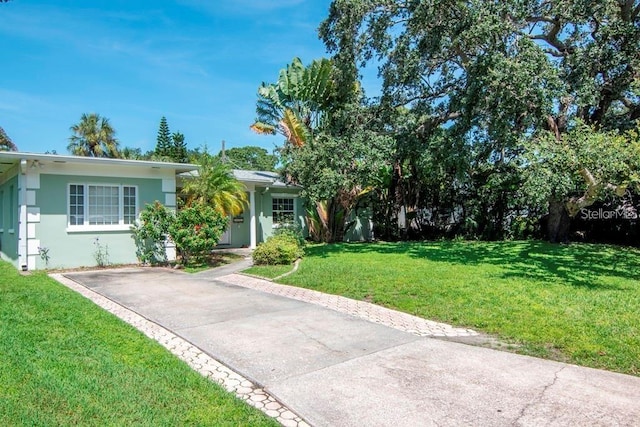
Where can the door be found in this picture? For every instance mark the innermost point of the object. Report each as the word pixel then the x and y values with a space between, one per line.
pixel 225 239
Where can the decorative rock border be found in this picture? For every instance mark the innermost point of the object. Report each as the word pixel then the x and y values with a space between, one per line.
pixel 201 362
pixel 362 309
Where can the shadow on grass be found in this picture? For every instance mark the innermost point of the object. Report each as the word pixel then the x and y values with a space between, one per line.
pixel 581 265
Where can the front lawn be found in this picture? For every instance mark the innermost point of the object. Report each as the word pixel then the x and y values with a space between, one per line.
pixel 65 361
pixel 577 303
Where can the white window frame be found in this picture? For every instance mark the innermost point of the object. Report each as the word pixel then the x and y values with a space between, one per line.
pixel 275 224
pixel 85 226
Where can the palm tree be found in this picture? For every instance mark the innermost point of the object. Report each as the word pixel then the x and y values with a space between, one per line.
pixel 93 137
pixel 6 144
pixel 216 185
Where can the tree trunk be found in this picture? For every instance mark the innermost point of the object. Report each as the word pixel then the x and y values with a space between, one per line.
pixel 558 222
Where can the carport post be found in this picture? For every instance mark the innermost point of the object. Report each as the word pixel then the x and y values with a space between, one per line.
pixel 252 222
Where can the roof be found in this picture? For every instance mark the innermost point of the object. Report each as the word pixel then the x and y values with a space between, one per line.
pixel 260 177
pixel 10 158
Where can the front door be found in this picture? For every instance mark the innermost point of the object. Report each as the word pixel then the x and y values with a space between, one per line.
pixel 225 239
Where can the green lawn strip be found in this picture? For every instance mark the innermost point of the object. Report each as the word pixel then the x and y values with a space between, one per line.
pixel 269 271
pixel 577 303
pixel 67 362
pixel 215 260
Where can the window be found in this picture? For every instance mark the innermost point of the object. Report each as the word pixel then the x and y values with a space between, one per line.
pixel 102 206
pixel 283 210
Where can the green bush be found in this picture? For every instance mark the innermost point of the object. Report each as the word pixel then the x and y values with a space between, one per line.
pixel 150 233
pixel 282 248
pixel 293 231
pixel 196 231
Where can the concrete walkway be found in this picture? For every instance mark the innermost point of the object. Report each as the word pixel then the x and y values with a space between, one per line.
pixel 324 367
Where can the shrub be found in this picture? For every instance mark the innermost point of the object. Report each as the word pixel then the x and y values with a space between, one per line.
pixel 283 248
pixel 293 231
pixel 196 230
pixel 150 233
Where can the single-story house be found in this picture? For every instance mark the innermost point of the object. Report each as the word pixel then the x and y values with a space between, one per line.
pixel 66 208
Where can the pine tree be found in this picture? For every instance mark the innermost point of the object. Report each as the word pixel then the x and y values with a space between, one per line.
pixel 163 145
pixel 179 152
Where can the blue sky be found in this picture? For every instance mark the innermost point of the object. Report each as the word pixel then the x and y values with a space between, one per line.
pixel 197 62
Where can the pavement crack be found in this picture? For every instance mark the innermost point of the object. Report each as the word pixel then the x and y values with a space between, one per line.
pixel 314 339
pixel 540 396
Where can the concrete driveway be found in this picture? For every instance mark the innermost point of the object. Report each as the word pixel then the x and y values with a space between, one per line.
pixel 337 370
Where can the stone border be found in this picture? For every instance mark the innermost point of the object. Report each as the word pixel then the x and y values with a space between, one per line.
pixel 198 360
pixel 361 309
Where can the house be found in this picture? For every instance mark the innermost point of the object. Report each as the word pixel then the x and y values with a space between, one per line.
pixel 67 208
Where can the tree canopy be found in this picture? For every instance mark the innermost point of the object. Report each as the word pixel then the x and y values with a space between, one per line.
pixel 6 144
pixel 250 158
pixel 93 136
pixel 472 91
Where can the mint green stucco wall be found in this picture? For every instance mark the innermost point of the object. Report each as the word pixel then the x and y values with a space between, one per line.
pixel 264 200
pixel 72 248
pixel 9 220
pixel 240 231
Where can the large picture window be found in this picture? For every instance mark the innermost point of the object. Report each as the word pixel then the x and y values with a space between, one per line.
pixel 283 210
pixel 102 206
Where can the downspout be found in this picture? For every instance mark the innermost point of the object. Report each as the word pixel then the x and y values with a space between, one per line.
pixel 23 247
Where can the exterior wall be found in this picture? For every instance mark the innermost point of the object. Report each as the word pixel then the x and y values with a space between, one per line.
pixel 264 198
pixel 362 228
pixel 9 215
pixel 48 210
pixel 240 231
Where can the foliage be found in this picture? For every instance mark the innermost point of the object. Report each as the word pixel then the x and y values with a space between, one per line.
pixel 467 87
pixel 93 136
pixel 101 254
pixel 583 165
pixel 251 158
pixel 325 119
pixel 293 231
pixel 44 255
pixel 163 141
pixel 215 185
pixel 576 303
pixel 66 361
pixel 283 248
pixel 151 232
pixel 6 144
pixel 196 230
pixel 294 105
pixel 179 152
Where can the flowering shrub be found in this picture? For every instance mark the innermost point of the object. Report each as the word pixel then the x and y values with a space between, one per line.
pixel 196 230
pixel 150 233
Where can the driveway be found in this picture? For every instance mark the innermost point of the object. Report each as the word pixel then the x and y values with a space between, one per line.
pixel 334 369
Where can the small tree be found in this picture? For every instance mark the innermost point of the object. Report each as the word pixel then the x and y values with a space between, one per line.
pixel 196 230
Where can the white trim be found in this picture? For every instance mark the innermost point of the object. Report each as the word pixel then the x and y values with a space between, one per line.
pixel 253 225
pixel 23 241
pixel 86 227
pixel 284 195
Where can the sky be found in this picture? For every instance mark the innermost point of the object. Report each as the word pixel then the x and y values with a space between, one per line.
pixel 198 63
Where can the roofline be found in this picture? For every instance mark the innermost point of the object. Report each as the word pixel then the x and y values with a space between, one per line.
pixel 17 155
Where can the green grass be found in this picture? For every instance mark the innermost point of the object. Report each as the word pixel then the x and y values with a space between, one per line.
pixel 269 271
pixel 577 303
pixel 64 361
pixel 214 260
